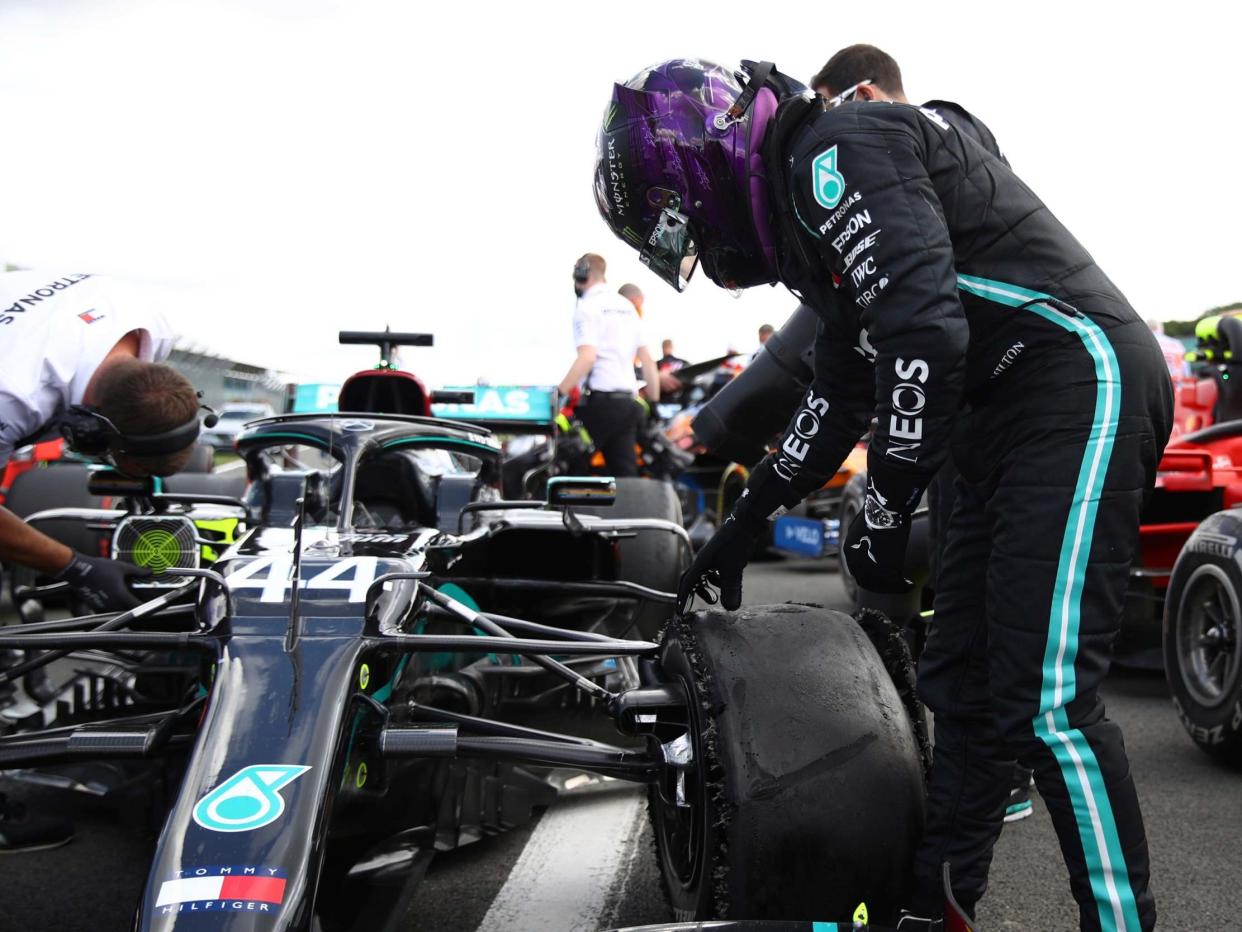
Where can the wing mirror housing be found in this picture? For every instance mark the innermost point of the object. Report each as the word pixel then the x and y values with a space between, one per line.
pixel 581 490
pixel 115 484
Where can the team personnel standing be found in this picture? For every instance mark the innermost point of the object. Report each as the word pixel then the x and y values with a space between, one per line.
pixel 960 313
pixel 608 336
pixel 869 73
pixel 634 295
pixel 73 357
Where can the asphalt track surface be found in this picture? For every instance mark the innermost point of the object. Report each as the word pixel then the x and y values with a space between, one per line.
pixel 586 864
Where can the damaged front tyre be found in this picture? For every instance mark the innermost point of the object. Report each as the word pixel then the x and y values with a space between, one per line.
pixel 794 787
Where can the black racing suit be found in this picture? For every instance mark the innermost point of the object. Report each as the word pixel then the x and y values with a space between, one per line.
pixel 955 308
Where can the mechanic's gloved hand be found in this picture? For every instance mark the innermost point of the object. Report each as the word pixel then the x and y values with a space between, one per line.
pixel 875 543
pixel 100 583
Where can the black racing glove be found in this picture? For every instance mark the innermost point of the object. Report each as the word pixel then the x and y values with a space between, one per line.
pixel 100 583
pixel 875 543
pixel 721 561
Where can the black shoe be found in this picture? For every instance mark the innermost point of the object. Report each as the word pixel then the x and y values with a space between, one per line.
pixel 22 830
pixel 1019 806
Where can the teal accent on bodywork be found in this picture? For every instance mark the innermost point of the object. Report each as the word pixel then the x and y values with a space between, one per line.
pixel 825 927
pixel 439 441
pixel 384 692
pixel 1097 826
pixel 290 435
pixel 443 660
pixel 247 800
pixel 157 484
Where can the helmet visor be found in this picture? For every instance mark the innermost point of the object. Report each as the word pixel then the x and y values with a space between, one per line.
pixel 669 250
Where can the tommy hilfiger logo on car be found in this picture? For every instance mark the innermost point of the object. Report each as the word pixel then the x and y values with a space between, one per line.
pixel 232 888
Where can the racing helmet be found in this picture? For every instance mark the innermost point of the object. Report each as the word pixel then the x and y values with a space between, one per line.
pixel 675 173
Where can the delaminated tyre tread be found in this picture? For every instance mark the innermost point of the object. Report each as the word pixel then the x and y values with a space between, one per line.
pixel 829 829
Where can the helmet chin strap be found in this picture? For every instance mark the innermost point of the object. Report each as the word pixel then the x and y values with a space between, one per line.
pixel 754 187
pixel 757 179
pixel 754 83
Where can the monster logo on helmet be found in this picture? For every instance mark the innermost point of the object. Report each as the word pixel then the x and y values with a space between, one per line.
pixel 678 174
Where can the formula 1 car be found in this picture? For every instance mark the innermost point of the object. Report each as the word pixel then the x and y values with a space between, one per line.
pixel 372 646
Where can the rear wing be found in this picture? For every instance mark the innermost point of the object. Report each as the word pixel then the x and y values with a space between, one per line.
pixel 505 409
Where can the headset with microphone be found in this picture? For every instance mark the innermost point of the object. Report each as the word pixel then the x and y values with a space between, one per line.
pixel 582 270
pixel 91 433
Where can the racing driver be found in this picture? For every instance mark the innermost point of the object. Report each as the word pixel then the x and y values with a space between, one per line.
pixel 951 301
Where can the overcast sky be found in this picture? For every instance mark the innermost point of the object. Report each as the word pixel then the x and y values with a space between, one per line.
pixel 273 171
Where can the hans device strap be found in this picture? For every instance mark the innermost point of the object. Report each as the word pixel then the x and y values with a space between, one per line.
pixel 88 431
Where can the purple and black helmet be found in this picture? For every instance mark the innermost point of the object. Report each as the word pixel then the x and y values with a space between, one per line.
pixel 678 174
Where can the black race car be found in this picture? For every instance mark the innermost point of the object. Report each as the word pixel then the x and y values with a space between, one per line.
pixel 356 681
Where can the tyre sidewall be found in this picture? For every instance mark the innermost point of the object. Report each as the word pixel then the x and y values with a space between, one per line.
pixel 1216 729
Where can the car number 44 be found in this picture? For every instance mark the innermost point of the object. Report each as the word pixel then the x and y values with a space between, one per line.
pixel 273 576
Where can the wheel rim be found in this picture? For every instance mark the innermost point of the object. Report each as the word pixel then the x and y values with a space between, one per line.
pixel 1207 636
pixel 682 829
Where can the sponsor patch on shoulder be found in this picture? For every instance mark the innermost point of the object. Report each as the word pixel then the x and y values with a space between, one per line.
pixel 827 183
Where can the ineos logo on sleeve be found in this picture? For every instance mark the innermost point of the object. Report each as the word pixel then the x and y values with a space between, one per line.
pixel 908 401
pixel 797 443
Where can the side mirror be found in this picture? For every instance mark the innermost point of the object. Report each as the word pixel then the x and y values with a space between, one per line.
pixel 111 483
pixel 581 490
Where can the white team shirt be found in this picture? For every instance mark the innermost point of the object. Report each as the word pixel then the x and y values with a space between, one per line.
pixel 607 321
pixel 55 330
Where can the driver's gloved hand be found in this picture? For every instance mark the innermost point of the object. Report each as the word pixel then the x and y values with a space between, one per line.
pixel 100 583
pixel 875 542
pixel 720 563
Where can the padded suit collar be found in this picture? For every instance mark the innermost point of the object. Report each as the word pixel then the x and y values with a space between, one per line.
pixel 796 266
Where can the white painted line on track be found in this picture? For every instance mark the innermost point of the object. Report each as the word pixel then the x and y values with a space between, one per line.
pixel 576 861
pixel 231 467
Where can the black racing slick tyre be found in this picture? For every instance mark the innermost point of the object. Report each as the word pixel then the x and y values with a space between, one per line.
pixel 653 558
pixel 202 459
pixel 1203 637
pixel 62 485
pixel 797 790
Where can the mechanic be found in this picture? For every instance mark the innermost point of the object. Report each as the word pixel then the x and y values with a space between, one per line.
pixel 74 358
pixel 949 297
pixel 765 331
pixel 877 76
pixel 608 335
pixel 669 361
pixel 634 295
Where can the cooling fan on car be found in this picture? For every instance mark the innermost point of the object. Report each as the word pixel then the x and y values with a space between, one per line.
pixel 159 543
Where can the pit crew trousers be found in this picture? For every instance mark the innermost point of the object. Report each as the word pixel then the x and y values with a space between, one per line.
pixel 1054 470
pixel 612 420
